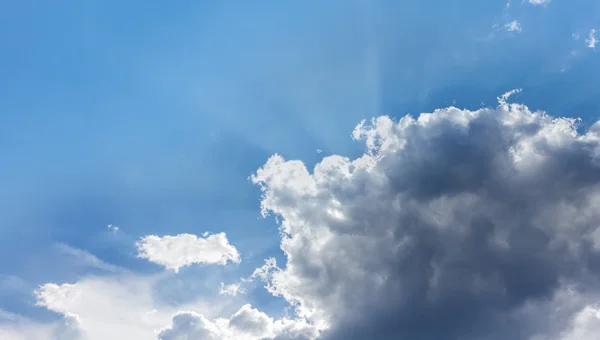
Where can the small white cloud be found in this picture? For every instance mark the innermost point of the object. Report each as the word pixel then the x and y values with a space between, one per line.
pixel 539 2
pixel 319 150
pixel 113 227
pixel 591 41
pixel 513 26
pixel 502 100
pixel 175 252
pixel 231 289
pixel 576 36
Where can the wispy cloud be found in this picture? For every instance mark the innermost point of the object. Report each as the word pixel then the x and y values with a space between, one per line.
pixel 539 2
pixel 87 258
pixel 514 26
pixel 591 40
pixel 231 289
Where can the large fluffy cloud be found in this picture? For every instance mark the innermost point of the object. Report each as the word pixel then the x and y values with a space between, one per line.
pixel 175 252
pixel 454 225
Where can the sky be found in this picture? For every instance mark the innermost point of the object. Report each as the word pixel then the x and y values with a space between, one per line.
pixel 247 170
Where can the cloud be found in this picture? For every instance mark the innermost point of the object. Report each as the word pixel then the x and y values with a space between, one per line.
pixel 189 325
pixel 69 328
pixel 591 40
pixel 246 324
pixel 539 2
pixel 456 224
pixel 116 307
pixel 123 306
pixel 175 252
pixel 86 258
pixel 17 327
pixel 513 26
pixel 231 289
pixel 585 324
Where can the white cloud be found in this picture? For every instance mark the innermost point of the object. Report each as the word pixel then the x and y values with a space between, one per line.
pixel 585 325
pixel 123 306
pixel 231 289
pixel 108 308
pixel 539 2
pixel 246 324
pixel 513 26
pixel 591 40
pixel 189 325
pixel 175 252
pixel 21 328
pixel 452 225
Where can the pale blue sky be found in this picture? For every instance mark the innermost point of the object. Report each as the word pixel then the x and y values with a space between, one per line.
pixel 150 115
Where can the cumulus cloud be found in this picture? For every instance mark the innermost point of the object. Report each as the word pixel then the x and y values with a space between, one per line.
pixel 189 325
pixel 246 324
pixel 124 306
pixel 175 252
pixel 455 224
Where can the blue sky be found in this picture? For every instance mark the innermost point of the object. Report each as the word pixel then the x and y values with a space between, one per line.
pixel 150 116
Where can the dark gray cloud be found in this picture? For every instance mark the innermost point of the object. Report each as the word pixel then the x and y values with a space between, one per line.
pixel 455 225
